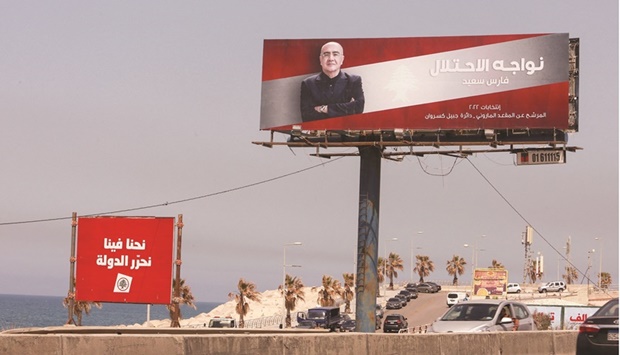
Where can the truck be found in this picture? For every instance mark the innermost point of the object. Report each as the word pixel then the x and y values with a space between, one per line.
pixel 222 322
pixel 324 317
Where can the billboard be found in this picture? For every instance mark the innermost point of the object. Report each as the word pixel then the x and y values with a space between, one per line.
pixel 518 81
pixel 490 282
pixel 124 259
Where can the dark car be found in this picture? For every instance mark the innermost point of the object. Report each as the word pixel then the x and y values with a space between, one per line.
pixel 426 288
pixel 437 286
pixel 393 303
pixel 413 288
pixel 598 334
pixel 402 298
pixel 395 323
pixel 379 312
pixel 348 324
pixel 407 294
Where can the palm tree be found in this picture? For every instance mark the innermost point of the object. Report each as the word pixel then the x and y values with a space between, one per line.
pixel 293 292
pixel 80 308
pixel 394 263
pixel 456 267
pixel 331 288
pixel 496 265
pixel 186 297
pixel 571 275
pixel 348 294
pixel 247 290
pixel 380 270
pixel 423 266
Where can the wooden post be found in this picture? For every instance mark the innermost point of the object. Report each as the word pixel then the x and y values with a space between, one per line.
pixel 176 301
pixel 71 293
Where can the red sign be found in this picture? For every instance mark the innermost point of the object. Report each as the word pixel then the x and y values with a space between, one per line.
pixel 428 83
pixel 490 282
pixel 124 259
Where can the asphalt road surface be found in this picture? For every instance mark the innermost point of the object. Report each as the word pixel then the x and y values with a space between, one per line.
pixel 423 310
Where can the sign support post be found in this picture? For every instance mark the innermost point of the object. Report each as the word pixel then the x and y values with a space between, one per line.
pixel 366 285
pixel 71 294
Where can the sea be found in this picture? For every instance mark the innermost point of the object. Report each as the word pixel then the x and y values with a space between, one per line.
pixel 25 311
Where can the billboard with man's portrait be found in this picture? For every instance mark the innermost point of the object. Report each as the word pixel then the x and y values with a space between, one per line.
pixel 518 81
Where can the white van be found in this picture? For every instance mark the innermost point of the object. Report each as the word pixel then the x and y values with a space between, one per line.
pixel 455 297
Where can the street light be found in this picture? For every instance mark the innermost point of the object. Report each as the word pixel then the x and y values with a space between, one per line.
pixel 473 255
pixel 411 278
pixel 600 261
pixel 284 274
pixel 385 262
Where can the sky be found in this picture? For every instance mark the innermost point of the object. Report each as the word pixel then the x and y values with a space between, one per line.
pixel 114 105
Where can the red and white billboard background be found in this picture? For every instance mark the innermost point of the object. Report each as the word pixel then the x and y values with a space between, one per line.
pixel 124 259
pixel 465 82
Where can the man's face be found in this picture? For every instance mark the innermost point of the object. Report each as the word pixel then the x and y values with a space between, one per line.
pixel 331 58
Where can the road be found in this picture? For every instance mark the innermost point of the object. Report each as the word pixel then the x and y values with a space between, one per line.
pixel 423 310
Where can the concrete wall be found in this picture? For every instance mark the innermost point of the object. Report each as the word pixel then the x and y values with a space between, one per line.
pixel 519 343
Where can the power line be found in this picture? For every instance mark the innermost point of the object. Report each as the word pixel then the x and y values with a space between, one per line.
pixel 525 219
pixel 167 203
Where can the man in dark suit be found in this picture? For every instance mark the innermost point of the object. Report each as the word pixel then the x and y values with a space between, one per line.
pixel 332 92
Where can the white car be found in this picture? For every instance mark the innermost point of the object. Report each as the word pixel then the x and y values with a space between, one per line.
pixel 484 316
pixel 513 288
pixel 554 286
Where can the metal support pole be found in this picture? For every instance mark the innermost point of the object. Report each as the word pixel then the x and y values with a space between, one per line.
pixel 71 294
pixel 367 286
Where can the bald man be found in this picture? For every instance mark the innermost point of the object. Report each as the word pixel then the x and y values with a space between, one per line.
pixel 331 92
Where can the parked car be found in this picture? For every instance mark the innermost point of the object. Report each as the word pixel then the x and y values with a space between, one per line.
pixel 553 286
pixel 393 303
pixel 513 288
pixel 394 323
pixel 437 286
pixel 402 298
pixel 412 288
pixel 426 288
pixel 407 294
pixel 484 316
pixel 348 324
pixel 598 334
pixel 379 311
pixel 455 297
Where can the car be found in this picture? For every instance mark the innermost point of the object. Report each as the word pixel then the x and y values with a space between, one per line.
pixel 437 286
pixel 553 286
pixel 513 288
pixel 379 311
pixel 402 298
pixel 348 324
pixel 598 334
pixel 395 323
pixel 425 288
pixel 484 316
pixel 453 298
pixel 407 294
pixel 393 303
pixel 412 288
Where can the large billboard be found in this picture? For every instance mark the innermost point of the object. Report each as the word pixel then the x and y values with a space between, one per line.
pixel 124 259
pixel 518 81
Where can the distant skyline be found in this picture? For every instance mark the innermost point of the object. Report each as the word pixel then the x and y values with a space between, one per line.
pixel 119 106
